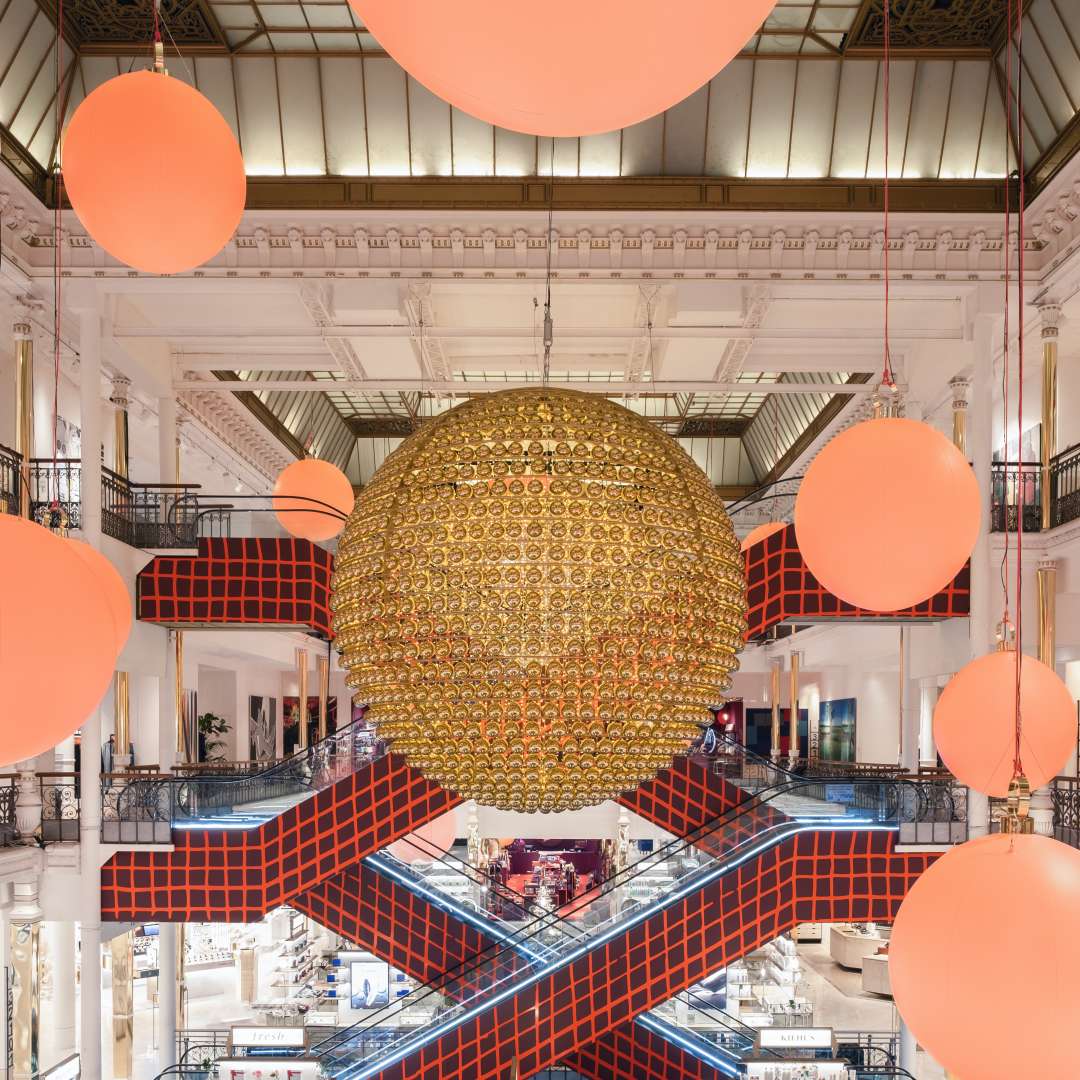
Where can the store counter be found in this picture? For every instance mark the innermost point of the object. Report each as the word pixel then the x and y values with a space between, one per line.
pixel 875 974
pixel 849 947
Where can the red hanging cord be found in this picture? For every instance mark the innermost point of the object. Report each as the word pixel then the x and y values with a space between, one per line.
pixel 1005 347
pixel 58 256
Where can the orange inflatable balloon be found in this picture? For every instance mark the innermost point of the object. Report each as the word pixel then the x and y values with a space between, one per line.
pixel 887 514
pixel 112 584
pixel 308 498
pixel 986 913
pixel 154 172
pixel 762 532
pixel 975 723
pixel 57 640
pixel 427 842
pixel 562 70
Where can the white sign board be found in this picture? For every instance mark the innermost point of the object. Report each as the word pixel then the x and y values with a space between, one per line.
pixel 795 1038
pixel 270 1038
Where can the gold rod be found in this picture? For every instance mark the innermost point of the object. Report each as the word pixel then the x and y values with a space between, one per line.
pixel 323 667
pixel 775 694
pixel 122 712
pixel 1046 578
pixel 900 703
pixel 1048 446
pixel 181 741
pixel 793 748
pixel 24 410
pixel 302 678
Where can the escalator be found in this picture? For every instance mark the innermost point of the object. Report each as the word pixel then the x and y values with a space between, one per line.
pixel 244 844
pixel 544 992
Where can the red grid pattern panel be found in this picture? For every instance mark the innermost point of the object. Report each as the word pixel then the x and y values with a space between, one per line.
pixel 633 1052
pixel 239 875
pixel 780 588
pixel 683 797
pixel 248 581
pixel 386 919
pixel 816 876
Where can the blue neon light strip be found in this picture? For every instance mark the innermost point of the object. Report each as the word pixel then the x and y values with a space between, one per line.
pixel 424 1037
pixel 717 1057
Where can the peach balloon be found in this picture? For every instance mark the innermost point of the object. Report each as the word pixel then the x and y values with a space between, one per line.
pixel 762 532
pixel 565 69
pixel 112 584
pixel 308 497
pixel 154 172
pixel 987 914
pixel 975 723
pixel 429 841
pixel 887 514
pixel 57 640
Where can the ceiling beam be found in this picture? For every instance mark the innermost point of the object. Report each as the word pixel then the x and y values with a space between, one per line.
pixel 621 193
pixel 458 387
pixel 566 333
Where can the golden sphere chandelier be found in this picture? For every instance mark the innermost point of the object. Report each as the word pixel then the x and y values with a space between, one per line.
pixel 539 595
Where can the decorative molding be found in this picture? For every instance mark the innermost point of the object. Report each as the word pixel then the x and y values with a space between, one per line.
pixel 225 418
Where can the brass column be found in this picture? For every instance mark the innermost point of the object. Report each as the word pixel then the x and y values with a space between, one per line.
pixel 774 697
pixel 1051 320
pixel 123 1010
pixel 24 407
pixel 322 666
pixel 1046 577
pixel 960 387
pixel 122 714
pixel 793 748
pixel 119 398
pixel 302 679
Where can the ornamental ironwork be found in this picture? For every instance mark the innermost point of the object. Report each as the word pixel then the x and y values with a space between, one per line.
pixel 930 24
pixel 188 22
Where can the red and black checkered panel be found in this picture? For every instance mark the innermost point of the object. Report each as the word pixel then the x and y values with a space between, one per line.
pixel 780 588
pixel 633 1052
pixel 398 926
pixel 239 875
pixel 683 797
pixel 817 876
pixel 243 582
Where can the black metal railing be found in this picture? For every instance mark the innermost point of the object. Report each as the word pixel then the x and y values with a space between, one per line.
pixel 60 817
pixel 141 809
pixel 9 804
pixel 1065 486
pixel 1065 799
pixel 1009 481
pixel 56 484
pixel 10 461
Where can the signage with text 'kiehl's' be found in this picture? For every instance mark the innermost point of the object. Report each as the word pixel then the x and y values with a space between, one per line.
pixel 795 1038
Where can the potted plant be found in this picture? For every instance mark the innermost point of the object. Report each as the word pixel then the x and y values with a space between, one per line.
pixel 211 729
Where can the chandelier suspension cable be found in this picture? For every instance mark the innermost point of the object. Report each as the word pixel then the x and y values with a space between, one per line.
pixel 549 325
pixel 1018 9
pixel 1006 623
pixel 888 380
pixel 58 256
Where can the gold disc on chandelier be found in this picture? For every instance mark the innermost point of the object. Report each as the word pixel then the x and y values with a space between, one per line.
pixel 539 595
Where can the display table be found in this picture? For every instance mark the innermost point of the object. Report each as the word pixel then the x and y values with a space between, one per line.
pixel 875 974
pixel 849 947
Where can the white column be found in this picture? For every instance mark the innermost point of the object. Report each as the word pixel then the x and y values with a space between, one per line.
pixel 167 440
pixel 90 410
pixel 928 695
pixel 980 434
pixel 909 706
pixel 167 975
pixel 908 1048
pixel 61 937
pixel 90 900
pixel 167 706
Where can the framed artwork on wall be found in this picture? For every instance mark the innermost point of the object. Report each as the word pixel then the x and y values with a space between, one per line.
pixel 836 730
pixel 262 727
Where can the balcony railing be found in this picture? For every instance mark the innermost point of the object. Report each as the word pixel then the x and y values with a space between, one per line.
pixel 10 460
pixel 9 801
pixel 1065 487
pixel 1008 481
pixel 60 817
